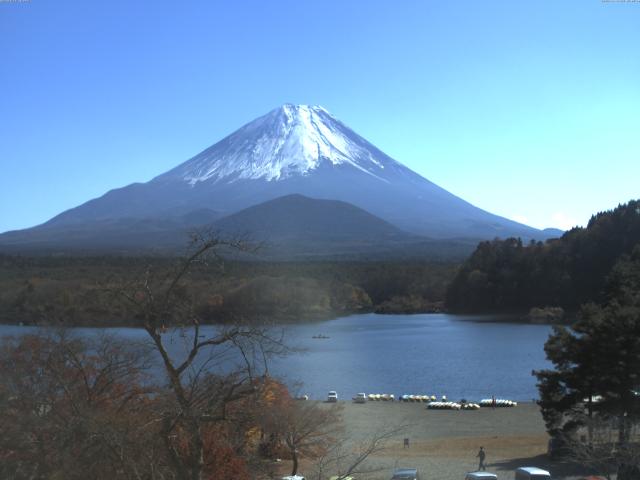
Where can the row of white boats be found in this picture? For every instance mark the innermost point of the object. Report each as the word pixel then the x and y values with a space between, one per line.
pixel 497 402
pixel 421 398
pixel 453 406
pixel 386 397
pixel 434 403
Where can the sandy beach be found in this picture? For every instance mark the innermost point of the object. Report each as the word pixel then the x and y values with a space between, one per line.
pixel 443 444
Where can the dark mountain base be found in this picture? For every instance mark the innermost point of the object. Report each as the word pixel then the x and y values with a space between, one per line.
pixel 289 228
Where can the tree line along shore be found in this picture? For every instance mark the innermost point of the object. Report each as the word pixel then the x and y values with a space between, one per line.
pixel 77 291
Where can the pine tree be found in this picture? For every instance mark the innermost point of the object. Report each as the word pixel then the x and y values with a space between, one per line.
pixel 597 362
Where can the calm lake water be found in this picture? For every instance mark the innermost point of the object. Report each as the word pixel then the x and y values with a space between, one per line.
pixel 458 356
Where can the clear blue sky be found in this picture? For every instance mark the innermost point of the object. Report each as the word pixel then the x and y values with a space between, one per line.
pixel 530 110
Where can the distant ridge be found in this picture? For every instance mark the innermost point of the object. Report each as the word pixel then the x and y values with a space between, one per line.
pixel 294 218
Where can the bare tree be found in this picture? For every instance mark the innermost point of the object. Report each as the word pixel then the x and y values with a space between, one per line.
pixel 201 382
pixel 301 428
pixel 313 430
pixel 347 457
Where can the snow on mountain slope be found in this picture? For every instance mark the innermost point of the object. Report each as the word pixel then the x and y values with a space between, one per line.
pixel 288 141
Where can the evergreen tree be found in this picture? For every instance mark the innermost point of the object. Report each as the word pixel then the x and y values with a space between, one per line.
pixel 597 362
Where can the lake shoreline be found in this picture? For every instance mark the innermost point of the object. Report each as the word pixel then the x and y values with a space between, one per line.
pixel 480 317
pixel 460 356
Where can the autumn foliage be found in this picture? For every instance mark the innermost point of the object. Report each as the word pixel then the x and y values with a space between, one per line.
pixel 74 408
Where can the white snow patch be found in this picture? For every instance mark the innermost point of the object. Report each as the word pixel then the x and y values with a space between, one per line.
pixel 291 140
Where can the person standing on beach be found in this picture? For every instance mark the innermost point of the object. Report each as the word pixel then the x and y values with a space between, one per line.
pixel 481 455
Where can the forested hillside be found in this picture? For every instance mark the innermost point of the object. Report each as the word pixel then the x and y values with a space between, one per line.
pixel 507 275
pixel 79 290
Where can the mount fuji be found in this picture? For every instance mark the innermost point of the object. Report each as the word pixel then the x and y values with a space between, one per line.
pixel 292 150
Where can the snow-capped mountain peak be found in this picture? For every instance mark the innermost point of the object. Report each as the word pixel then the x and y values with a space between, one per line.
pixel 288 141
pixel 292 151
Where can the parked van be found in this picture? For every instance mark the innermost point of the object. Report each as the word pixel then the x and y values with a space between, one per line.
pixel 532 473
pixel 360 398
pixel 481 476
pixel 333 396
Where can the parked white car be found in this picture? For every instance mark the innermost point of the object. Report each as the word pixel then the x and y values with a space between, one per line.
pixel 481 476
pixel 360 398
pixel 532 473
pixel 333 396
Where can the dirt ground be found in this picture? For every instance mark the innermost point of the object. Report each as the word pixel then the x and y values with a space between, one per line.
pixel 443 444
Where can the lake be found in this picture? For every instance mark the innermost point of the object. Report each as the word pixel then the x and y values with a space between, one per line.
pixel 461 356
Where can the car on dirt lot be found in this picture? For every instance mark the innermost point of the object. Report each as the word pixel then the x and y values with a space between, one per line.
pixel 360 398
pixel 532 473
pixel 405 474
pixel 481 476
